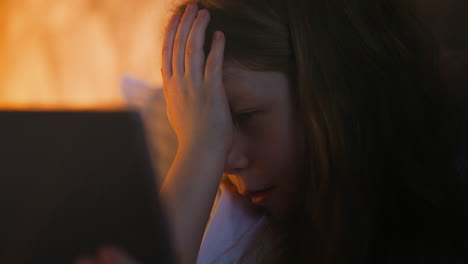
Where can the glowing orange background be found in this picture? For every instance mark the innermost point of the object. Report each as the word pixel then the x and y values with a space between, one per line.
pixel 72 53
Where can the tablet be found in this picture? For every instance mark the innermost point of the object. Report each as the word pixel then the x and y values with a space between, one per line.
pixel 73 181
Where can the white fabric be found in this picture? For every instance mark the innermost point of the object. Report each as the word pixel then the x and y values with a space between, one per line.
pixel 232 226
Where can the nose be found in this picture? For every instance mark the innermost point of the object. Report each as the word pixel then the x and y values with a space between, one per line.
pixel 237 157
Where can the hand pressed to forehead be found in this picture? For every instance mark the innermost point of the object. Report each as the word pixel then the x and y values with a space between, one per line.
pixel 183 52
pixel 197 107
pixel 199 113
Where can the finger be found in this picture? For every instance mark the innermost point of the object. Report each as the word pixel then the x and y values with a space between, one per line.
pixel 111 255
pixel 194 55
pixel 86 260
pixel 178 57
pixel 168 46
pixel 214 63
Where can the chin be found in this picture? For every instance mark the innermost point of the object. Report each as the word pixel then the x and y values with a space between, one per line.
pixel 277 211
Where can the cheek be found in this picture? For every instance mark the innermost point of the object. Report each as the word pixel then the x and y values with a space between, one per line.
pixel 277 153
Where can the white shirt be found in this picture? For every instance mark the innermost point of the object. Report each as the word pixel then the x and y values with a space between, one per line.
pixel 232 225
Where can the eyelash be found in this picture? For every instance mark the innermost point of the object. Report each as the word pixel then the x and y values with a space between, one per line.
pixel 245 116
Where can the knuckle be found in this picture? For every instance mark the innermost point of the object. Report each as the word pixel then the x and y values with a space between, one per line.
pixel 192 77
pixel 166 50
pixel 177 40
pixel 211 64
pixel 176 78
pixel 190 49
pixel 188 75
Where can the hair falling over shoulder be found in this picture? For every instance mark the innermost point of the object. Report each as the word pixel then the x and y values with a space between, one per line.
pixel 381 185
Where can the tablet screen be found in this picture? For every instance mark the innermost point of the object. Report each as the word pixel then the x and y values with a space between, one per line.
pixel 73 181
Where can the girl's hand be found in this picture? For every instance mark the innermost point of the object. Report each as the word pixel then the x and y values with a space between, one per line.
pixel 107 255
pixel 198 111
pixel 197 107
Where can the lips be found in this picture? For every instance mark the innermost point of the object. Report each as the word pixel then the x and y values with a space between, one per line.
pixel 259 197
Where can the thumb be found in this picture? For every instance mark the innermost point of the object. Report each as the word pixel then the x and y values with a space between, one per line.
pixel 112 255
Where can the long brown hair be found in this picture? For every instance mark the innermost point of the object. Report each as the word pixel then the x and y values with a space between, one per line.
pixel 380 176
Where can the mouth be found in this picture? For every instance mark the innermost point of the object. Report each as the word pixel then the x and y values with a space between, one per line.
pixel 259 197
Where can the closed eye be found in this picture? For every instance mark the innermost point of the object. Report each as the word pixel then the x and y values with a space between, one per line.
pixel 244 116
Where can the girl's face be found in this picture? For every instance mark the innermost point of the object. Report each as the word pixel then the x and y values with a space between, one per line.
pixel 267 150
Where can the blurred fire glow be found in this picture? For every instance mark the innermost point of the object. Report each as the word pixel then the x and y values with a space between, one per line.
pixel 72 53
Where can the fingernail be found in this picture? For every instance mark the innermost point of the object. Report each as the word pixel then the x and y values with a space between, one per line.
pixel 202 13
pixel 191 7
pixel 218 35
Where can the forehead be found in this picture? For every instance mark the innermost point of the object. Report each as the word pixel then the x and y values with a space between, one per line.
pixel 241 84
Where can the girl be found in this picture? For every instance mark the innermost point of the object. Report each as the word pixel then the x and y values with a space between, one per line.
pixel 331 128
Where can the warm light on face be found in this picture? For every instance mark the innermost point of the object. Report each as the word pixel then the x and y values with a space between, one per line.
pixel 73 54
